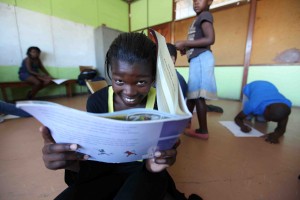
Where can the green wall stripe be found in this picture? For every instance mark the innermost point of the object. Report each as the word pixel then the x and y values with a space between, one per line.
pixel 138 15
pixel 34 5
pixel 112 13
pixel 146 13
pixel 81 11
pixel 159 14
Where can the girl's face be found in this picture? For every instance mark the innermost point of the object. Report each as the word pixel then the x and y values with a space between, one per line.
pixel 34 53
pixel 131 83
pixel 200 5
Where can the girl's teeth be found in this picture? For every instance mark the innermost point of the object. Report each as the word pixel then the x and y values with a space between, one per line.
pixel 130 100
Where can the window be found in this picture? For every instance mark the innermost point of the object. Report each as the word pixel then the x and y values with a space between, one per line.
pixel 184 8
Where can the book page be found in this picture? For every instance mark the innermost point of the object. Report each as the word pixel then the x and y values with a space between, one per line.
pixel 169 95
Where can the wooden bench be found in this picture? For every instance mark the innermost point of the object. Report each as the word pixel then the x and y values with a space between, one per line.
pixel 18 84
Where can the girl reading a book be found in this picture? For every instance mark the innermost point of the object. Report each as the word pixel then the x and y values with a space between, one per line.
pixel 131 64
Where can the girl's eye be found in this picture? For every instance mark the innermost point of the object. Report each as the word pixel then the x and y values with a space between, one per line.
pixel 141 83
pixel 118 82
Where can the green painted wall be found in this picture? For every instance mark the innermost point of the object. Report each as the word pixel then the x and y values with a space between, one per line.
pixel 34 5
pixel 11 2
pixel 161 12
pixel 229 80
pixel 112 13
pixel 81 11
pixel 138 15
pixel 286 78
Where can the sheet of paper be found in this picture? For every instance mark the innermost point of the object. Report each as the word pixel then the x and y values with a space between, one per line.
pixel 59 81
pixel 235 130
pixel 10 117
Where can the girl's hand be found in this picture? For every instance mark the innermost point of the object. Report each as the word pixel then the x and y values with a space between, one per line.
pixel 245 129
pixel 273 137
pixel 180 45
pixel 161 160
pixel 182 52
pixel 60 156
pixel 45 78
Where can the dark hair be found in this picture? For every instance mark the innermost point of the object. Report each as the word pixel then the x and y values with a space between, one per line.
pixel 33 48
pixel 132 48
pixel 172 50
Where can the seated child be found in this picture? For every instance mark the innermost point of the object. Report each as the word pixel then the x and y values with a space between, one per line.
pixel 131 64
pixel 33 71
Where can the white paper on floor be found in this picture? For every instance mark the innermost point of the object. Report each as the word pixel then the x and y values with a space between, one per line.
pixel 10 117
pixel 236 131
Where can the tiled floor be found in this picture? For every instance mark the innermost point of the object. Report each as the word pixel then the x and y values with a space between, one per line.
pixel 222 168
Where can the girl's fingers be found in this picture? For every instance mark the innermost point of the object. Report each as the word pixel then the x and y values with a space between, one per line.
pixel 167 157
pixel 166 153
pixel 166 161
pixel 46 135
pixel 69 156
pixel 58 148
pixel 59 164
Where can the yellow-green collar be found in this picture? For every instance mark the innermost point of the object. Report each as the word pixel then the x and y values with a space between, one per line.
pixel 150 99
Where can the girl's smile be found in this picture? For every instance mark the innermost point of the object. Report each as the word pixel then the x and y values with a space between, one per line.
pixel 131 83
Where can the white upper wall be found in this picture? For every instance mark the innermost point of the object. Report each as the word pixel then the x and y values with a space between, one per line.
pixel 63 43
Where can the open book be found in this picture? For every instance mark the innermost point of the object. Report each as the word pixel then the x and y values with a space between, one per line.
pixel 122 136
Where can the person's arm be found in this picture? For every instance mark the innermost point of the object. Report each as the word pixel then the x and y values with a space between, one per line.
pixel 43 69
pixel 278 132
pixel 239 120
pixel 11 109
pixel 207 40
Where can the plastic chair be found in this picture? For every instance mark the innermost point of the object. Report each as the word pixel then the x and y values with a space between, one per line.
pixel 85 68
pixel 94 86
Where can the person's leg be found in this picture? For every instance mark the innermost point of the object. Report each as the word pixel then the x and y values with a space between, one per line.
pixel 201 109
pixel 191 105
pixel 36 86
pixel 202 115
pixel 11 109
pixel 144 185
